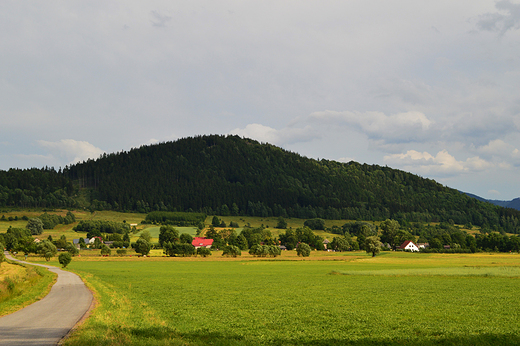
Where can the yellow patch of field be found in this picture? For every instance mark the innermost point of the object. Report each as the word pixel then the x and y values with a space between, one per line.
pixel 7 269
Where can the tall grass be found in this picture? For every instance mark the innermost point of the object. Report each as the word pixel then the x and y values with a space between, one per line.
pixel 24 288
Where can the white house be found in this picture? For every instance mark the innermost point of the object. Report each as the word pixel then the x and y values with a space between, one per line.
pixel 409 245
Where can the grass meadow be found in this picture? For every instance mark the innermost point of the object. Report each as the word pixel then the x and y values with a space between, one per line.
pixel 326 299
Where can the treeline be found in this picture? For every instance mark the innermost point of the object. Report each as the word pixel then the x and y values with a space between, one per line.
pixel 175 218
pixel 233 176
pixel 94 228
pixel 36 188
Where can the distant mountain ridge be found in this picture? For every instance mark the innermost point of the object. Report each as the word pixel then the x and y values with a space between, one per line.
pixel 513 204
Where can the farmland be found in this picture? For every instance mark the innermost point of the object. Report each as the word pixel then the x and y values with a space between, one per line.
pixel 327 299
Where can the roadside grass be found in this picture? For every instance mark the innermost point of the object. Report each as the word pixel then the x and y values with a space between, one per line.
pixel 22 285
pixel 394 298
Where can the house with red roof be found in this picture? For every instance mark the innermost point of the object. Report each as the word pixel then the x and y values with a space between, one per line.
pixel 202 242
pixel 408 245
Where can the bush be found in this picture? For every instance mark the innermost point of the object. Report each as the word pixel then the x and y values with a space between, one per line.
pixel 64 258
pixel 232 251
pixel 315 224
pixel 105 250
pixel 204 252
pixel 303 250
pixel 121 252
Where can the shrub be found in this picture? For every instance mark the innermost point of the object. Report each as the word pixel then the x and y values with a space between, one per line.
pixel 232 251
pixel 105 250
pixel 64 258
pixel 303 250
pixel 204 252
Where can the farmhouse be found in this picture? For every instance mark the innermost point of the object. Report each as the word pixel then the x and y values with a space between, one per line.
pixel 202 242
pixel 408 245
pixel 326 242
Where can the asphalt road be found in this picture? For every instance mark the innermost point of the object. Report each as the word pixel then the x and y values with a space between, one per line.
pixel 47 321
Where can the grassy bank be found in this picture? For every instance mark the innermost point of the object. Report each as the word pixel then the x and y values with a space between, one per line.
pixel 339 299
pixel 22 285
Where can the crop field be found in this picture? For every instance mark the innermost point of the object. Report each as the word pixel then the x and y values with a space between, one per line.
pixel 327 299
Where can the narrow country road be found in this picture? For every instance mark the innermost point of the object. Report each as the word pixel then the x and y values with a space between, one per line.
pixel 47 321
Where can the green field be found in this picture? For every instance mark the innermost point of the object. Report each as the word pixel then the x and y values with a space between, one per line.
pixel 327 299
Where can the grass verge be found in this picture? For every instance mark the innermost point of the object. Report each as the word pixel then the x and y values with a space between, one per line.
pixel 23 288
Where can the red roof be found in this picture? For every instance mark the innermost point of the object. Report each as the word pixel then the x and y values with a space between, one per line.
pixel 199 241
pixel 403 245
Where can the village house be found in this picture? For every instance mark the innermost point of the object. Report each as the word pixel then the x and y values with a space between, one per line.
pixel 202 242
pixel 326 242
pixel 408 246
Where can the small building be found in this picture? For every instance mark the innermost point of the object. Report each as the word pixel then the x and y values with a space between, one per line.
pixel 326 242
pixel 408 246
pixel 423 245
pixel 202 242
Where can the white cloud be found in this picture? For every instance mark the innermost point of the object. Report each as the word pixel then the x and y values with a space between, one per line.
pixel 268 134
pixel 443 164
pixel 72 150
pixel 400 127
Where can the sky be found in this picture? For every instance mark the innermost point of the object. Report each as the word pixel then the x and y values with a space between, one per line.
pixel 429 87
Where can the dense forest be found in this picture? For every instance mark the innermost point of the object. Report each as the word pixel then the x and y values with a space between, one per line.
pixel 229 175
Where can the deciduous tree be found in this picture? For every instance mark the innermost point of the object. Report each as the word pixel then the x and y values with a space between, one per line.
pixel 64 258
pixel 373 245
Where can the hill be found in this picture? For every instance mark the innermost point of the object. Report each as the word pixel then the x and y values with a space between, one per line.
pixel 228 175
pixel 513 204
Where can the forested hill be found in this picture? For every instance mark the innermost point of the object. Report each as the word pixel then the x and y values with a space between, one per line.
pixel 229 175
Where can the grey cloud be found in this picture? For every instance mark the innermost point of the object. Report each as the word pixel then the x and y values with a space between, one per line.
pixel 499 21
pixel 159 20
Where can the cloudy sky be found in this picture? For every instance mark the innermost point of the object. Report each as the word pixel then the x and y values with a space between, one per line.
pixel 430 87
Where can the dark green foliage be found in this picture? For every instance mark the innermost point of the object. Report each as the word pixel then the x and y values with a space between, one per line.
pixel 121 252
pixel 72 249
pixel 373 245
pixel 168 234
pixel 231 251
pixel 175 218
pixel 2 256
pixel 204 252
pixel 36 188
pixel 179 249
pixel 265 251
pixel 186 238
pixel 64 258
pixel 96 227
pixel 282 224
pixel 315 224
pixel 302 235
pixel 339 244
pixel 255 236
pixel 215 222
pixel 47 249
pixel 51 221
pixel 35 225
pixel 142 246
pixel 105 250
pixel 303 250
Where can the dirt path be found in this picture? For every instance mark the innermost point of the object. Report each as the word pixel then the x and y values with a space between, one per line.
pixel 47 321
